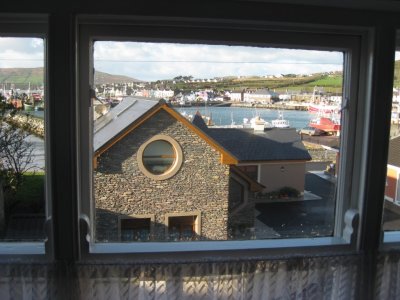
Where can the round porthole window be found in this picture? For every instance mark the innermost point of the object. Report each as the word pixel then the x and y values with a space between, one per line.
pixel 160 157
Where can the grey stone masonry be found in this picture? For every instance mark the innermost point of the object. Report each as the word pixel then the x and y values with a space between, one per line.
pixel 36 125
pixel 201 184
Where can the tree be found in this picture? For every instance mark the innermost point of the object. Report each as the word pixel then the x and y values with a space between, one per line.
pixel 15 151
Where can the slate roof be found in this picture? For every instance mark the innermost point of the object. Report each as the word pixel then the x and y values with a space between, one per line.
pixel 269 145
pixel 118 118
pixel 394 152
pixel 199 122
pixel 246 145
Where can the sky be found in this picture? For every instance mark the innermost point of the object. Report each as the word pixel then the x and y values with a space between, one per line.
pixel 158 61
pixel 21 52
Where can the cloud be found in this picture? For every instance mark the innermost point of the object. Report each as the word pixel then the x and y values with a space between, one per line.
pixel 153 61
pixel 21 52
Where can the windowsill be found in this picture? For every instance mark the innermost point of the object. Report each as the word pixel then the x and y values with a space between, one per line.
pixel 22 248
pixel 157 247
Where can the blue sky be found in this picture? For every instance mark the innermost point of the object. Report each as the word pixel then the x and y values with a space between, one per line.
pixel 157 61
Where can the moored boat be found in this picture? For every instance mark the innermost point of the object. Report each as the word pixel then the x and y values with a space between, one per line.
pixel 326 124
pixel 280 122
pixel 323 109
pixel 258 123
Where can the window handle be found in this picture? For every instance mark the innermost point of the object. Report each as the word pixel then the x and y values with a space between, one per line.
pixel 345 104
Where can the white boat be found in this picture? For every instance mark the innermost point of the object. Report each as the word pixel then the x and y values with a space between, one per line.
pixel 258 123
pixel 280 122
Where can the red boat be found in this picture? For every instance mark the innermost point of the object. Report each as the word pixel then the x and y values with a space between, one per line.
pixel 326 124
pixel 323 109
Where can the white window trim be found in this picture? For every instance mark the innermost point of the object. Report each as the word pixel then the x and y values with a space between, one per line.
pixel 21 26
pixel 200 246
pixel 353 40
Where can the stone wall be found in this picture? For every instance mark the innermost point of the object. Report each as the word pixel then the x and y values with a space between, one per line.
pixel 36 125
pixel 202 183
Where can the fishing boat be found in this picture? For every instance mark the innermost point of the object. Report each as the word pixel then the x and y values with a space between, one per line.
pixel 323 109
pixel 327 124
pixel 280 122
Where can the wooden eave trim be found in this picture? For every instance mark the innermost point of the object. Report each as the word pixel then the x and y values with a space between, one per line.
pixel 226 157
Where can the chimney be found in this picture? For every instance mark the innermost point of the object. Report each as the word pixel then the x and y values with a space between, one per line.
pixel 258 124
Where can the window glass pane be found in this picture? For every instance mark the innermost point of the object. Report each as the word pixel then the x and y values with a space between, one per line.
pixel 158 156
pixel 135 229
pixel 256 132
pixel 182 228
pixel 22 163
pixel 391 214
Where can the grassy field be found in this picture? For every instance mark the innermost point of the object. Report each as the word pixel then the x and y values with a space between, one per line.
pixel 306 84
pixel 30 197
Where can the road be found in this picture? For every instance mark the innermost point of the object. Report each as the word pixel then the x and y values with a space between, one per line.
pixel 38 153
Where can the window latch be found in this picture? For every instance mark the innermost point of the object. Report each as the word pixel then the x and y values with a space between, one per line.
pixel 345 104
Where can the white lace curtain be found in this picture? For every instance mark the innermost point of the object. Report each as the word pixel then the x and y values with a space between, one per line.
pixel 316 278
pixel 387 283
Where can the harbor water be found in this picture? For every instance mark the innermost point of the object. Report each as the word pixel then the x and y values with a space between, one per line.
pixel 235 115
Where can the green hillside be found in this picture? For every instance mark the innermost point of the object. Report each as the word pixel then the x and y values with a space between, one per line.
pixel 103 78
pixel 21 77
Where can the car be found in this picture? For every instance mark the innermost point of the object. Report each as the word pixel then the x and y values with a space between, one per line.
pixel 311 131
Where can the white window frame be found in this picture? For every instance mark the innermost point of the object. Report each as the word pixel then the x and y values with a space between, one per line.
pixel 29 26
pixel 353 41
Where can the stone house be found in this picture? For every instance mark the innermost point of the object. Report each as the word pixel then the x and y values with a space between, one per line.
pixel 159 176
